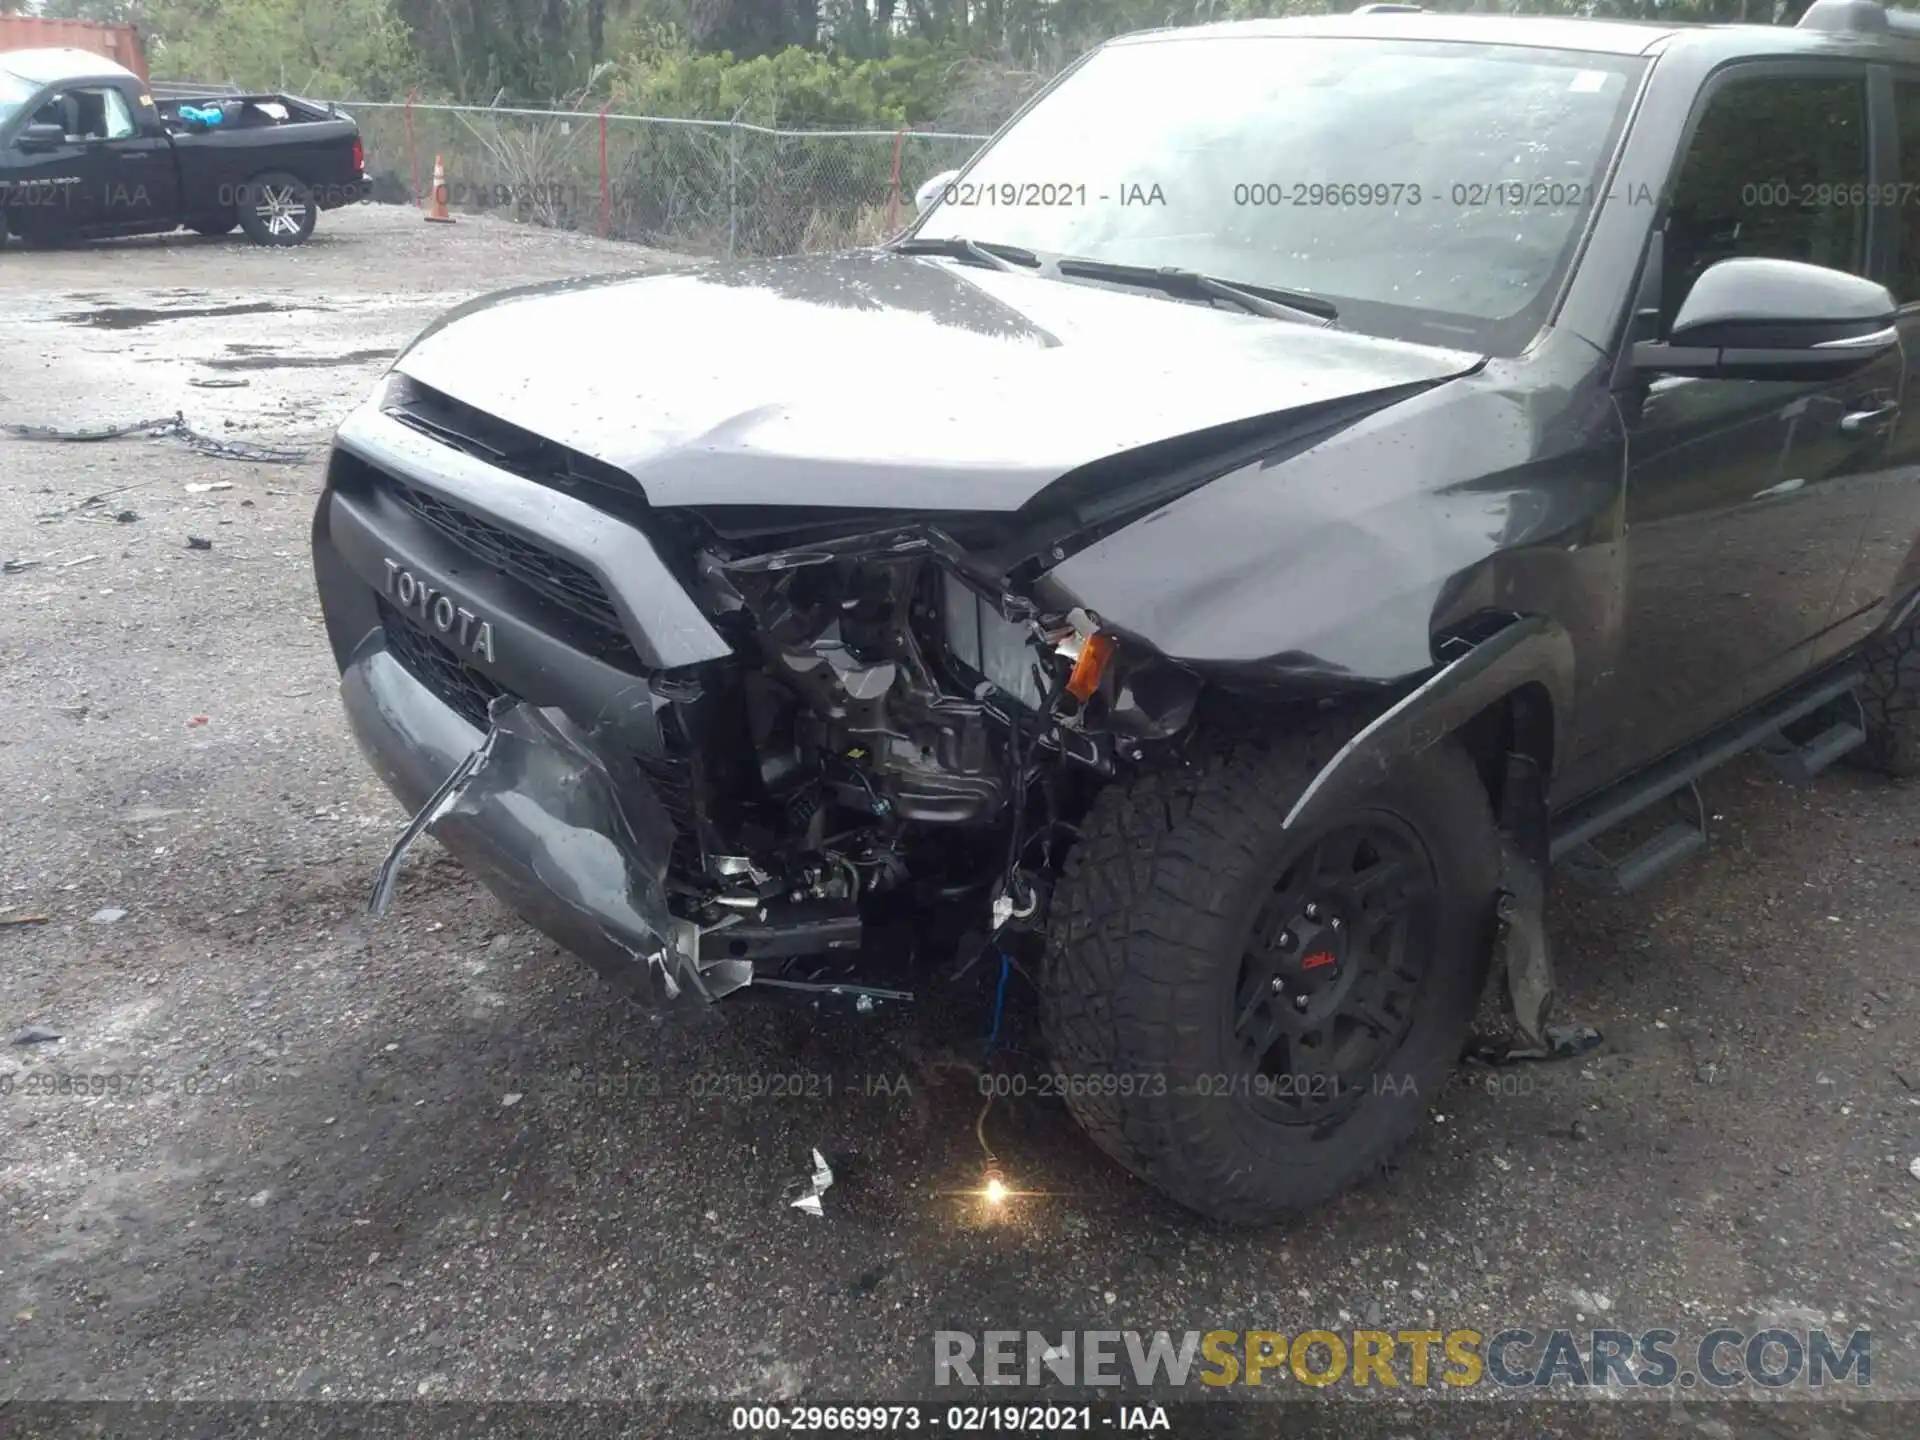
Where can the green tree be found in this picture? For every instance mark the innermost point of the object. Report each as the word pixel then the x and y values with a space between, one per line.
pixel 323 48
pixel 960 62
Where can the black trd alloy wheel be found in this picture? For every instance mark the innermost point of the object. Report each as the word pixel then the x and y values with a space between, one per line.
pixel 1330 974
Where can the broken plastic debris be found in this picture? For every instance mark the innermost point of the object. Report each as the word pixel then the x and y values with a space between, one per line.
pixel 174 424
pixel 1564 1042
pixel 107 915
pixel 199 542
pixel 817 1185
pixel 202 488
pixel 35 1035
pixel 1913 1169
pixel 101 432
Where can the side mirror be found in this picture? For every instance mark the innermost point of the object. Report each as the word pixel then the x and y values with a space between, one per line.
pixel 1754 319
pixel 42 137
pixel 928 195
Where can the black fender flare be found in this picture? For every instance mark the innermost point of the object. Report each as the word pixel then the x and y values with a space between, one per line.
pixel 1529 650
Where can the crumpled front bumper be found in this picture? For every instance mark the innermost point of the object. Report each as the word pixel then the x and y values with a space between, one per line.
pixel 565 833
pixel 560 823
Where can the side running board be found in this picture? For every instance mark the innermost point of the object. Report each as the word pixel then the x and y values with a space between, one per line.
pixel 1797 735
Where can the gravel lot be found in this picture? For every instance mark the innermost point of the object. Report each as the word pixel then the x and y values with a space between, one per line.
pixel 432 1157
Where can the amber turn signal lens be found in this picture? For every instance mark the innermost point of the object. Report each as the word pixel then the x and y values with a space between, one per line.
pixel 1091 665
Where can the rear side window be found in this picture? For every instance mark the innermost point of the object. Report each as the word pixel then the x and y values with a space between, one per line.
pixel 1776 169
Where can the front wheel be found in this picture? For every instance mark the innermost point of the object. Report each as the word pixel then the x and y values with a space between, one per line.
pixel 277 209
pixel 1254 1019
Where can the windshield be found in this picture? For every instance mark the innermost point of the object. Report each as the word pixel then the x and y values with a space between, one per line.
pixel 14 92
pixel 1430 191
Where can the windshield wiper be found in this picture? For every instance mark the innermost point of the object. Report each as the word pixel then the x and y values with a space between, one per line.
pixel 958 247
pixel 1256 299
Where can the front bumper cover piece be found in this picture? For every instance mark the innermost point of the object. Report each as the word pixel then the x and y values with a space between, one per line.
pixel 570 835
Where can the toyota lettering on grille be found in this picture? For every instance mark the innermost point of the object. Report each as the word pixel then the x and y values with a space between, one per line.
pixel 436 611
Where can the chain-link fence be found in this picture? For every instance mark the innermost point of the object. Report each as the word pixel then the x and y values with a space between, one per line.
pixel 701 187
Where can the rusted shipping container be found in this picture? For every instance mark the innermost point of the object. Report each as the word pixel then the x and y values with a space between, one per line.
pixel 119 43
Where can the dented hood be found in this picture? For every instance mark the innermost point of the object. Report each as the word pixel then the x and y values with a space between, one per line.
pixel 870 379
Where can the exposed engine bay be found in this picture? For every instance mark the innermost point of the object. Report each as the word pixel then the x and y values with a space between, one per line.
pixel 896 733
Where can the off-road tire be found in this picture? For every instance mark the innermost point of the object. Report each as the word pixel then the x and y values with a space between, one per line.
pixel 1890 700
pixel 1145 935
pixel 277 209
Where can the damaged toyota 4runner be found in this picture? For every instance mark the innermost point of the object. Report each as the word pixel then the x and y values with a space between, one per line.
pixel 1301 483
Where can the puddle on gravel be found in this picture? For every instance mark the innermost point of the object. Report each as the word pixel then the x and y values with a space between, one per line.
pixel 128 317
pixel 298 362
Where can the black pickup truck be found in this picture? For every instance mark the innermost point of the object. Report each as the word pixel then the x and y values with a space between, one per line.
pixel 85 151
pixel 1303 483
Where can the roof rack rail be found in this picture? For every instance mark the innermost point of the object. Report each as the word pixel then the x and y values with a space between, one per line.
pixel 1388 10
pixel 1859 17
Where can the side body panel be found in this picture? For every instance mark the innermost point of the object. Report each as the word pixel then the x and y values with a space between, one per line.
pixel 1498 492
pixel 1745 503
pixel 215 163
pixel 140 177
pixel 1887 571
pixel 1747 500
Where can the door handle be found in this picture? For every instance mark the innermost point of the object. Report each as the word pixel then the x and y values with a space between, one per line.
pixel 1866 422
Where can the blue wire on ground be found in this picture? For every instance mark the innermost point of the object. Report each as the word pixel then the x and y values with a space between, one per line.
pixel 999 998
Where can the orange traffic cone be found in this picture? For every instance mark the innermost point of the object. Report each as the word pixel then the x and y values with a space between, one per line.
pixel 437 211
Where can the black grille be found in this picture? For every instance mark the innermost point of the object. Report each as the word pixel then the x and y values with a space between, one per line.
pixel 558 579
pixel 461 686
pixel 672 781
pixel 520 452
